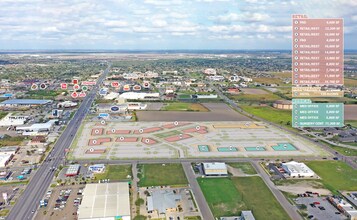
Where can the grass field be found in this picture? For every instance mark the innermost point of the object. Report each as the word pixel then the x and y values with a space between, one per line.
pixel 245 167
pixel 159 175
pixel 259 198
pixel 11 141
pixel 255 98
pixel 350 82
pixel 182 106
pixel 36 94
pixel 352 122
pixel 274 115
pixel 341 150
pixel 229 196
pixel 336 175
pixel 115 172
pixel 3 114
pixel 268 80
pixel 222 196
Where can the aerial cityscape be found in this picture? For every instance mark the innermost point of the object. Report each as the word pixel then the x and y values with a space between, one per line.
pixel 178 110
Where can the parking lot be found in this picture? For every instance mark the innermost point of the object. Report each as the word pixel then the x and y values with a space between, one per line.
pixel 320 209
pixel 61 203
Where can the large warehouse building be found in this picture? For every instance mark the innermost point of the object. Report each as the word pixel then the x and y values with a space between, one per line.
pixel 24 102
pixel 105 201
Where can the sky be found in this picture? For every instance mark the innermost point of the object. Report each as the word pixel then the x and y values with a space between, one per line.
pixel 163 24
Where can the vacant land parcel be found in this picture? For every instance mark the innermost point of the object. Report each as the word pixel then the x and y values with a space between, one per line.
pixel 229 196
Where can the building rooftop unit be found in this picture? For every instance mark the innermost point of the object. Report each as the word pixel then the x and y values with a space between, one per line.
pixel 105 201
pixel 25 102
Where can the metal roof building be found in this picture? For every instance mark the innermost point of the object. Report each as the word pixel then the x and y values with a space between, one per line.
pixel 73 170
pixel 215 169
pixel 15 102
pixel 37 127
pixel 161 200
pixel 105 201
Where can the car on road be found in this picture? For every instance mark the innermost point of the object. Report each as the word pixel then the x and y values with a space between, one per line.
pixel 310 216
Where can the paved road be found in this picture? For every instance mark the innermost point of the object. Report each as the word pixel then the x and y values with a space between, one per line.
pixel 29 201
pixel 197 160
pixel 197 193
pixel 289 208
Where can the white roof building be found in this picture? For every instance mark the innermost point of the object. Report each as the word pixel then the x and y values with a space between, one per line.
pixel 112 95
pixel 215 169
pixel 5 159
pixel 139 95
pixel 105 201
pixel 37 127
pixel 13 120
pixel 66 104
pixel 295 169
pixel 97 168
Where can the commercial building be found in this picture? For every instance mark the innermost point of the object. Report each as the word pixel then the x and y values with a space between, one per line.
pixel 73 170
pixel 111 96
pixel 295 169
pixel 163 201
pixel 215 169
pixel 40 127
pixel 6 155
pixel 140 96
pixel 97 168
pixel 283 104
pixel 13 120
pixel 5 159
pixel 66 104
pixel 24 102
pixel 246 215
pixel 9 150
pixel 216 78
pixel 105 201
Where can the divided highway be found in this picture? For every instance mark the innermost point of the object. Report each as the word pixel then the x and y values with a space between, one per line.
pixel 28 202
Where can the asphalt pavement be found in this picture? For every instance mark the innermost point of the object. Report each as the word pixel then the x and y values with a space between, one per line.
pixel 197 193
pixel 27 204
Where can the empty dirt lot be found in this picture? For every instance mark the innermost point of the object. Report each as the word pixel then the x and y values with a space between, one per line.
pixel 218 112
pixel 350 112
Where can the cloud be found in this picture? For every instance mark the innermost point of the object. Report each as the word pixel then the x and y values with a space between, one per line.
pixel 247 17
pixel 207 23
